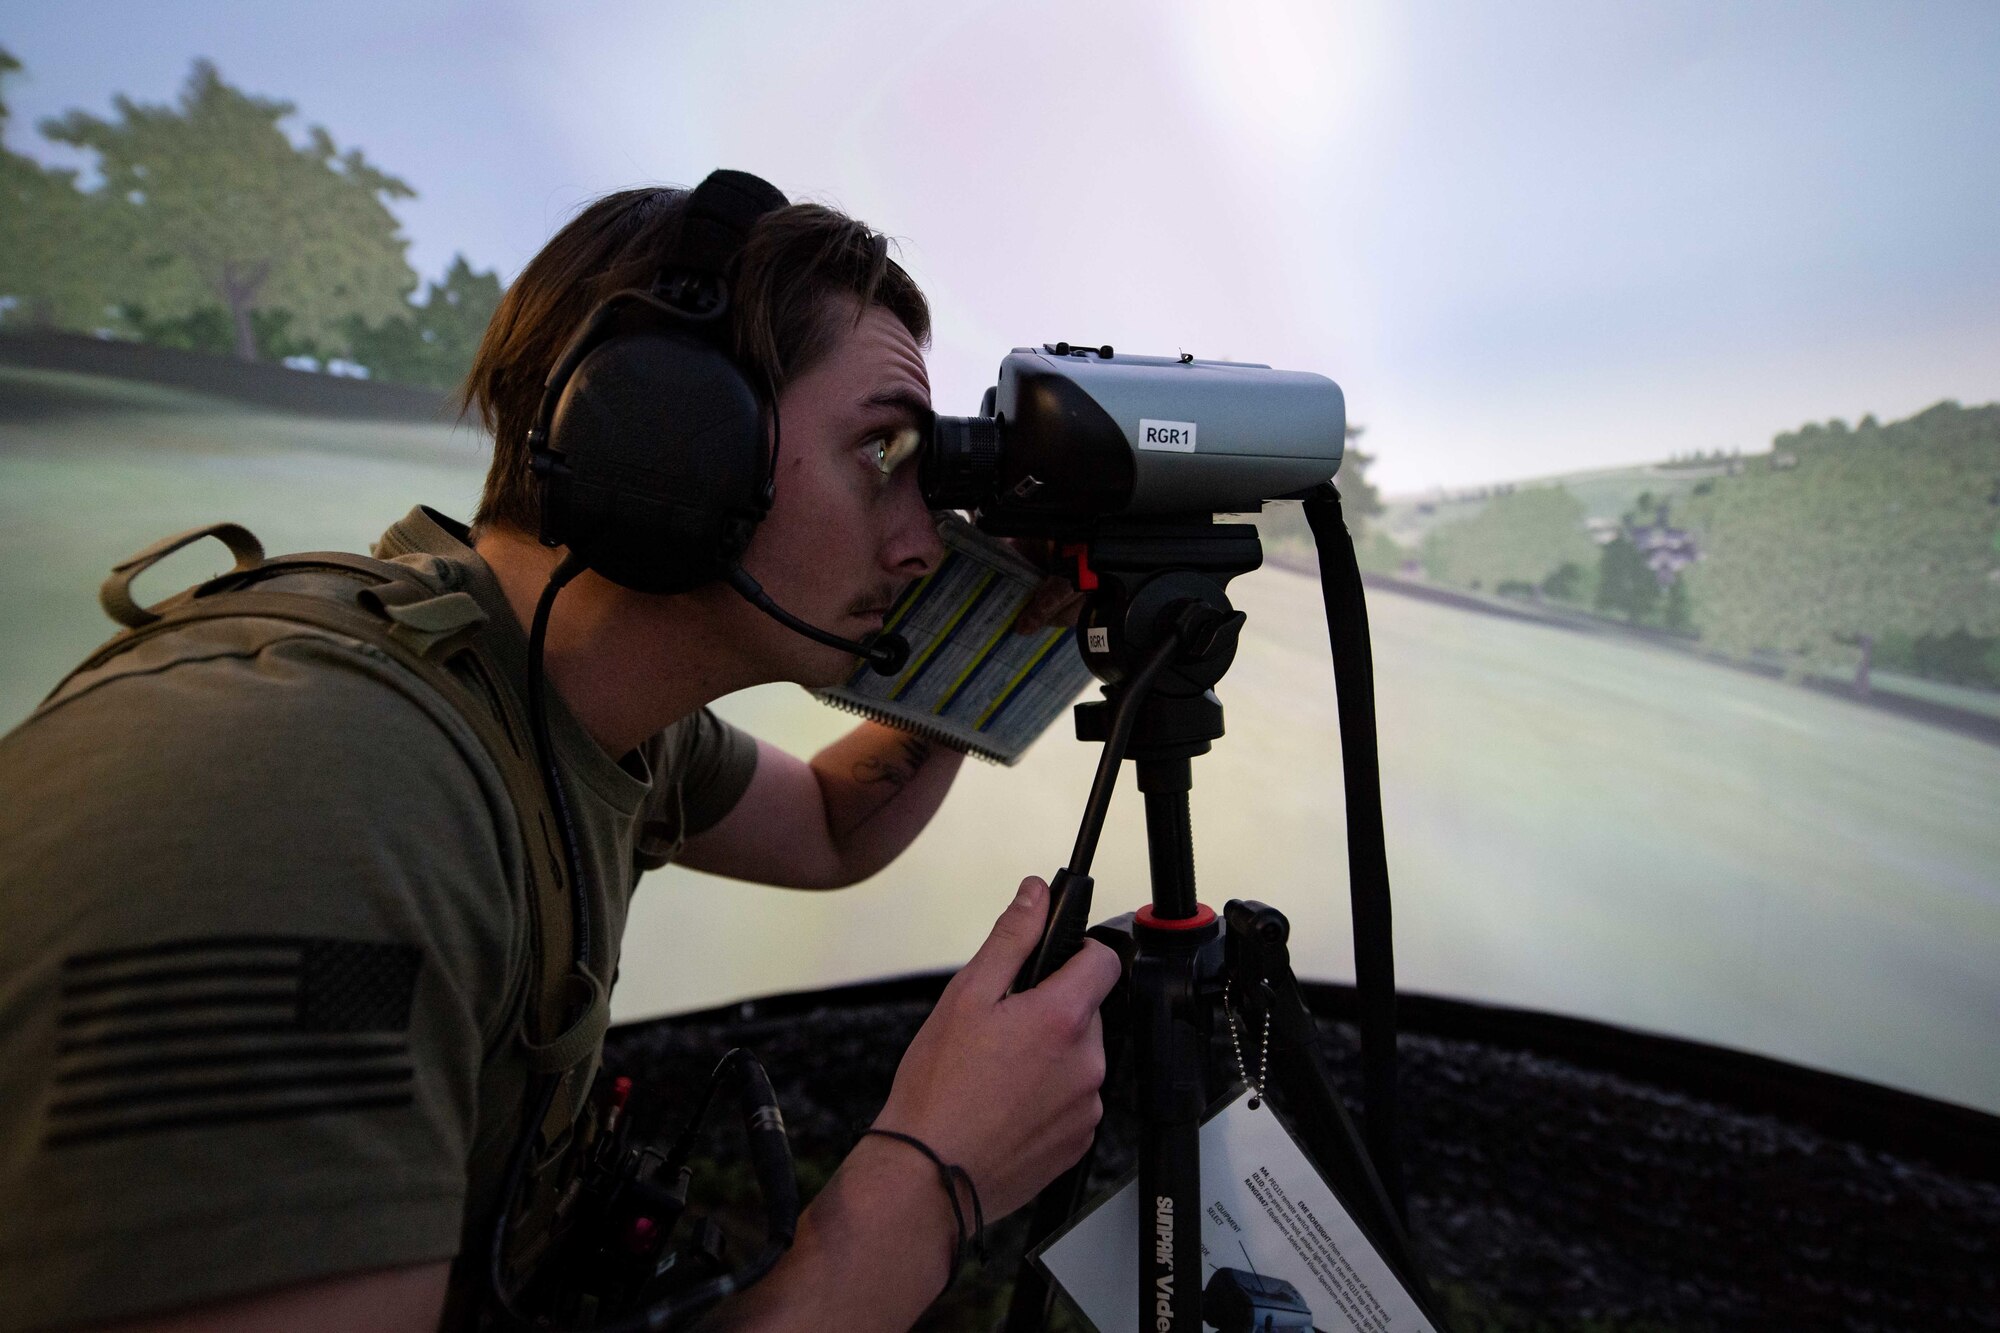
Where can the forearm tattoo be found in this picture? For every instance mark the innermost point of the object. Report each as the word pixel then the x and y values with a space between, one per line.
pixel 895 768
pixel 883 776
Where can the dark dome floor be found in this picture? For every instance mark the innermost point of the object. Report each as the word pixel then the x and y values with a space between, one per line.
pixel 1543 1194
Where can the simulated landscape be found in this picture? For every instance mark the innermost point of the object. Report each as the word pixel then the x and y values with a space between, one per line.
pixel 1865 555
pixel 1600 824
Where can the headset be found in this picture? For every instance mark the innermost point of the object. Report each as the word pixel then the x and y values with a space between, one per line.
pixel 651 445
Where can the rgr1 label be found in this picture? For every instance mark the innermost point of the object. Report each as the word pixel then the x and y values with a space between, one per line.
pixel 1098 639
pixel 1174 437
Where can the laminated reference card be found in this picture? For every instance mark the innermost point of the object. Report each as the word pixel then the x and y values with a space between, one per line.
pixel 971 682
pixel 1279 1250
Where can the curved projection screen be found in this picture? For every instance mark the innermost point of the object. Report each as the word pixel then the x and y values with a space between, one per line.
pixel 1669 326
pixel 1585 816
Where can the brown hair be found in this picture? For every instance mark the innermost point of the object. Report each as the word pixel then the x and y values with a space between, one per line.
pixel 801 268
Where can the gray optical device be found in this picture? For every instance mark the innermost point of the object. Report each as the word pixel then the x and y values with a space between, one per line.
pixel 1074 434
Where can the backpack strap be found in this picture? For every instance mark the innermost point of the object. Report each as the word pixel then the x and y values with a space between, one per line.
pixel 115 594
pixel 401 618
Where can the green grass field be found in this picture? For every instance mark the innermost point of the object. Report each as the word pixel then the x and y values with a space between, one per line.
pixel 1576 823
pixel 92 470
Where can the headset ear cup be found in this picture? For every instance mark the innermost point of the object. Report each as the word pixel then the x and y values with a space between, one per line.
pixel 664 462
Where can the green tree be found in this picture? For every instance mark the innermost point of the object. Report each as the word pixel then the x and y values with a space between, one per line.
pixel 207 328
pixel 1566 583
pixel 63 253
pixel 1521 536
pixel 1359 499
pixel 434 342
pixel 1677 615
pixel 232 213
pixel 1379 553
pixel 1625 582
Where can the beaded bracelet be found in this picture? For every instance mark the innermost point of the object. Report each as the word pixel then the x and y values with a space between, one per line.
pixel 950 1176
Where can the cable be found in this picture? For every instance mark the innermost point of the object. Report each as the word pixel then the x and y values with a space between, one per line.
pixel 777 1184
pixel 1122 720
pixel 1367 856
pixel 538 719
pixel 1071 890
pixel 517 1167
pixel 541 1097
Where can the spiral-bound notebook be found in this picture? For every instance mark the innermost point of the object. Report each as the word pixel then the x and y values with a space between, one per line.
pixel 971 681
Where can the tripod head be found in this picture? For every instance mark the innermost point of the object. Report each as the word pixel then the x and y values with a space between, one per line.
pixel 1161 583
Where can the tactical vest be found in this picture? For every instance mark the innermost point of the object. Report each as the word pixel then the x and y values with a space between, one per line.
pixel 395 615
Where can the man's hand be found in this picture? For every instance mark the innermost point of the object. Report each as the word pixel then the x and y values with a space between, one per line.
pixel 1003 1085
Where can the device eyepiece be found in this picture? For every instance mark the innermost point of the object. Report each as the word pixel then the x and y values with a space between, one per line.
pixel 961 466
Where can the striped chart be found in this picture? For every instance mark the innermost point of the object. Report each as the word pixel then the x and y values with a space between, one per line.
pixel 971 680
pixel 188 1033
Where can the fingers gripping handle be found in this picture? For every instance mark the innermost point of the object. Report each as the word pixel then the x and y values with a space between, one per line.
pixel 1063 933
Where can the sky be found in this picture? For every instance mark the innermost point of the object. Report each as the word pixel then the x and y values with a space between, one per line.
pixel 1526 239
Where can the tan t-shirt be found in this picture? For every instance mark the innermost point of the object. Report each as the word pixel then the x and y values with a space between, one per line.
pixel 263 952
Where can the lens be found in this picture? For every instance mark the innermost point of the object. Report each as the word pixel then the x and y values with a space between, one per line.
pixel 962 464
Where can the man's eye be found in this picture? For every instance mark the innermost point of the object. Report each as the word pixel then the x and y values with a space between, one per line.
pixel 891 451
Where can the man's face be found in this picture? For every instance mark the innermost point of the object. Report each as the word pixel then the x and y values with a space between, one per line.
pixel 845 534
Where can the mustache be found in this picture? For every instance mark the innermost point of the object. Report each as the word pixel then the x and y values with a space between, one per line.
pixel 881 600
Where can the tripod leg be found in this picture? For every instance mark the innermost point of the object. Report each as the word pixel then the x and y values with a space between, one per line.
pixel 1323 1122
pixel 1261 971
pixel 1170 1044
pixel 1171 1051
pixel 1331 1141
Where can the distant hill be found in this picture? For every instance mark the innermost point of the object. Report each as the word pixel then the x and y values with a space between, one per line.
pixel 1877 541
pixel 1841 551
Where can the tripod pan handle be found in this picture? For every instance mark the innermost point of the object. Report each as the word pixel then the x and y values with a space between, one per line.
pixel 1062 936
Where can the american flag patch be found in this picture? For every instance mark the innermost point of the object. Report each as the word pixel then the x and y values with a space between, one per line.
pixel 231 1028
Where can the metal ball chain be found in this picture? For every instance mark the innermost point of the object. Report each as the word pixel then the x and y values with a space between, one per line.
pixel 1263 1056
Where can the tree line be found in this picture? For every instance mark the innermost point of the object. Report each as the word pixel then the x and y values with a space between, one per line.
pixel 1841 549
pixel 208 226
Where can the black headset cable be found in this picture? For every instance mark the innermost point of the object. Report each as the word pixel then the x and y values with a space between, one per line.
pixel 538 718
pixel 541 1098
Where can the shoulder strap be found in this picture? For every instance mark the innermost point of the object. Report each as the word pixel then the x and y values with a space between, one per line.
pixel 396 614
pixel 115 594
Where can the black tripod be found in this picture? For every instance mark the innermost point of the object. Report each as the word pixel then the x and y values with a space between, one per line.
pixel 1160 631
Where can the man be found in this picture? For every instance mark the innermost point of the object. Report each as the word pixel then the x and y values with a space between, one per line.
pixel 266 942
